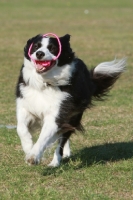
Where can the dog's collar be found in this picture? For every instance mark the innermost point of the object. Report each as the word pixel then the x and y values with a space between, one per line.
pixel 48 84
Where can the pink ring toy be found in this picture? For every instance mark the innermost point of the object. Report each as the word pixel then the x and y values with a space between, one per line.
pixel 47 63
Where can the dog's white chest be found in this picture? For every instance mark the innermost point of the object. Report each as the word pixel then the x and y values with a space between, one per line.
pixel 43 102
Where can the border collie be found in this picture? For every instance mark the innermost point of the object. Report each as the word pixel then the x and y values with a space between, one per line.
pixel 55 98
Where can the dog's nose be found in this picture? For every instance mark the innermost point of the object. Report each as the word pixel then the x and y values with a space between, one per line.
pixel 40 54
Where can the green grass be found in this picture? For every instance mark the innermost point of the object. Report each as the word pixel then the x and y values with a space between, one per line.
pixel 101 165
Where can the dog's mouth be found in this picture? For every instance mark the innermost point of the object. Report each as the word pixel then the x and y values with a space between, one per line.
pixel 45 65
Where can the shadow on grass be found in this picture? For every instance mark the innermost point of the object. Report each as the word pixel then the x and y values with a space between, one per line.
pixel 110 152
pixel 100 154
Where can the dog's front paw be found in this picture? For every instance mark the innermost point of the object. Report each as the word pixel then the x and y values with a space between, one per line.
pixel 32 160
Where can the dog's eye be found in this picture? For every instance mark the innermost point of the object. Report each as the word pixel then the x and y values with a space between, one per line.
pixel 37 45
pixel 52 48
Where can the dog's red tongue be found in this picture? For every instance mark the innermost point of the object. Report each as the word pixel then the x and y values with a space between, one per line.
pixel 41 64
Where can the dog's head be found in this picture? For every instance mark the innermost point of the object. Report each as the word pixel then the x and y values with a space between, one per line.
pixel 46 48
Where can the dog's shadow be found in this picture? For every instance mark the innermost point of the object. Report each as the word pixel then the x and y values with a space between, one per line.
pixel 100 154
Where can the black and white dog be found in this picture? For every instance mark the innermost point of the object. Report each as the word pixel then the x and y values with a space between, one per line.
pixel 56 97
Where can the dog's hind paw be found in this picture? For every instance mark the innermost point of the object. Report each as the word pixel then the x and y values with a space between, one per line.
pixel 54 164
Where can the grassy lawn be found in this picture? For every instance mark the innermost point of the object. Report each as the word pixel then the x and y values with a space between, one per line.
pixel 101 165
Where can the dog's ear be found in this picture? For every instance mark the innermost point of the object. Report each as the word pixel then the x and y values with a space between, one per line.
pixel 65 38
pixel 30 41
pixel 67 55
pixel 27 45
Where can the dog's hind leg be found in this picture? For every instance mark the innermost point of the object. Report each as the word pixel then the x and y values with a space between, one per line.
pixel 62 150
pixel 66 150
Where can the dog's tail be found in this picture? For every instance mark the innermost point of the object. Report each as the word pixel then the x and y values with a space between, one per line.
pixel 104 76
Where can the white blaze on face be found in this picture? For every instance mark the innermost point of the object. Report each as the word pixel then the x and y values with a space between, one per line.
pixel 43 48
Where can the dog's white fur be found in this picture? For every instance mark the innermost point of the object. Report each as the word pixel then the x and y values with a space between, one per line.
pixel 115 66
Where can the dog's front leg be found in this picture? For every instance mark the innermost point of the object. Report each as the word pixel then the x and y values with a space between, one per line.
pixel 23 119
pixel 48 136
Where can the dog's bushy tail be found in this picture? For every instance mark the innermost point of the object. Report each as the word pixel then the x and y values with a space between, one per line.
pixel 104 76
